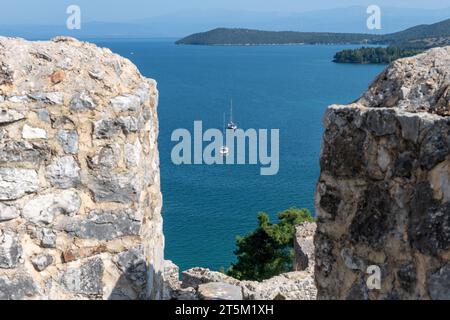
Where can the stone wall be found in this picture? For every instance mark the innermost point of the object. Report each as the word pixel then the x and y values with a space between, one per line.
pixel 304 258
pixel 204 284
pixel 383 197
pixel 79 174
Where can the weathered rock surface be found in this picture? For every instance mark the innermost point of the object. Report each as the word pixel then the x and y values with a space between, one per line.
pixel 439 283
pixel 10 250
pixel 21 151
pixel 201 283
pixel 110 187
pixel 8 116
pixel 219 291
pixel 17 288
pixel 41 262
pixel 68 140
pixel 8 212
pixel 44 209
pixel 86 279
pixel 204 284
pixel 47 237
pixel 33 133
pixel 382 198
pixel 80 199
pixel 16 182
pixel 103 225
pixel 172 284
pixel 414 84
pixel 64 173
pixel 304 258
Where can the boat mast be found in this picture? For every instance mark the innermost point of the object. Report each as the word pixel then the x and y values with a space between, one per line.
pixel 231 112
pixel 224 130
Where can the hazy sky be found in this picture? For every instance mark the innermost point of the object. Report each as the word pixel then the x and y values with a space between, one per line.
pixel 53 11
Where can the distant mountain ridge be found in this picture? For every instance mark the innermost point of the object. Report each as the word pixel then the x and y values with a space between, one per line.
pixel 177 24
pixel 401 44
pixel 422 36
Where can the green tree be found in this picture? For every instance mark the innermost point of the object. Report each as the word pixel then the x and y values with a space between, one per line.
pixel 374 55
pixel 268 251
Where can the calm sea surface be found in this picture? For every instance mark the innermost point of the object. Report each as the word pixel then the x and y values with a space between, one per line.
pixel 285 87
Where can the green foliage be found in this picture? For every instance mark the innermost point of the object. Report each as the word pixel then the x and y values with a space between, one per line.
pixel 374 55
pixel 400 44
pixel 222 36
pixel 419 37
pixel 268 251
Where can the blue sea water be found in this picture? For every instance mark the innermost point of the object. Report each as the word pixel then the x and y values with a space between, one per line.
pixel 284 87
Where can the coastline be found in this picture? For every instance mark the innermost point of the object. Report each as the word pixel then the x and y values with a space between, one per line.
pixel 276 44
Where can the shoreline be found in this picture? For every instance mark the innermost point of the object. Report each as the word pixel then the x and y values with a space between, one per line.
pixel 276 44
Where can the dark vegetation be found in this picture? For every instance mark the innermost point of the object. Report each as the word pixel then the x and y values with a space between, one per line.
pixel 391 46
pixel 223 36
pixel 374 55
pixel 268 251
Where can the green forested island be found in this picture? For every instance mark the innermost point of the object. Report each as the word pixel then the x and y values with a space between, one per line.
pixel 400 45
pixel 380 55
pixel 224 36
pixel 392 46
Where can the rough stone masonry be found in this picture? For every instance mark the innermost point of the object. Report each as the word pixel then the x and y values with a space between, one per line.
pixel 383 197
pixel 79 174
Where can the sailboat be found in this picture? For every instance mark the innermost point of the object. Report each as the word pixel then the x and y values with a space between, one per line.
pixel 224 150
pixel 231 124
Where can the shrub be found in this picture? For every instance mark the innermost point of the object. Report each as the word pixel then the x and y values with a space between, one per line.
pixel 268 251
